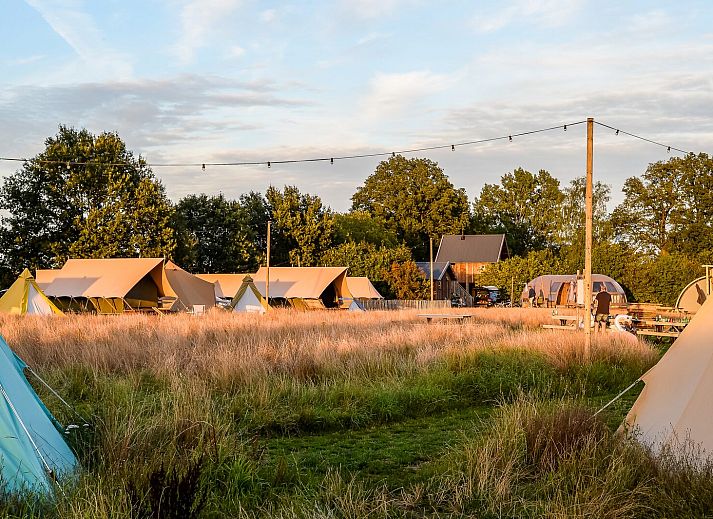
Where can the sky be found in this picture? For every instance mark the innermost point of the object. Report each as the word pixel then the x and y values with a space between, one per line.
pixel 239 80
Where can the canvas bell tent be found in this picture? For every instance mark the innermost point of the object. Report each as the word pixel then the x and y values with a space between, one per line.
pixel 33 452
pixel 190 291
pixel 248 298
pixel 25 297
pixel 305 287
pixel 568 290
pixel 674 408
pixel 695 294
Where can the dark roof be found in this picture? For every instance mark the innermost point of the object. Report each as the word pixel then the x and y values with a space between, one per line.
pixel 472 248
pixel 439 269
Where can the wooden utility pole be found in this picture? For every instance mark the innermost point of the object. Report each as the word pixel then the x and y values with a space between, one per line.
pixel 588 241
pixel 512 291
pixel 431 267
pixel 267 276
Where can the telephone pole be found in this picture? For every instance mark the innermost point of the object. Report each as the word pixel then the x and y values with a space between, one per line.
pixel 267 275
pixel 431 266
pixel 588 241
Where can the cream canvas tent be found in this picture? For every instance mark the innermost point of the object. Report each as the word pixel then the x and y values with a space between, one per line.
pixel 306 287
pixel 190 291
pixel 248 298
pixel 694 295
pixel 361 288
pixel 225 285
pixel 25 297
pixel 44 277
pixel 675 404
pixel 113 285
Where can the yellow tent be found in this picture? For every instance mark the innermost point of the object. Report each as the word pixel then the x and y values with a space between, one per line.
pixel 248 299
pixel 26 297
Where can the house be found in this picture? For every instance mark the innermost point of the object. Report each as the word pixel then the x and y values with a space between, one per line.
pixel 445 283
pixel 468 254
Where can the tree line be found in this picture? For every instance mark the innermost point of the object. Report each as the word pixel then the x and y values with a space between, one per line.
pixel 87 196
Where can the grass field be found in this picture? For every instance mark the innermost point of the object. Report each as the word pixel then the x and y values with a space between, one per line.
pixel 337 414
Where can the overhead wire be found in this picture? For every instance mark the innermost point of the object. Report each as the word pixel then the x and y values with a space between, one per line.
pixel 332 158
pixel 635 136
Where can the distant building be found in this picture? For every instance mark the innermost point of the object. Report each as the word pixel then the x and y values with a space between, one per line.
pixel 468 254
pixel 444 279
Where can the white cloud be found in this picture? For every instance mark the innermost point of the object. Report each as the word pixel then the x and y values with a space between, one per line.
pixel 546 13
pixel 268 15
pixel 237 52
pixel 198 18
pixel 374 8
pixel 391 93
pixel 77 28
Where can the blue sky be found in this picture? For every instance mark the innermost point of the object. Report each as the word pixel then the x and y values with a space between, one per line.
pixel 241 80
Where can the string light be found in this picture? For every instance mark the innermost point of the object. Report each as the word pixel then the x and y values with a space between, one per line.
pixel 331 159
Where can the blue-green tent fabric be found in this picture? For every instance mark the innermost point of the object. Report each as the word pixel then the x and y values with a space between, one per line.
pixel 30 442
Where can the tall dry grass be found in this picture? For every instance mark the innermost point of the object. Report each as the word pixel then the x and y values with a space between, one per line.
pixel 246 348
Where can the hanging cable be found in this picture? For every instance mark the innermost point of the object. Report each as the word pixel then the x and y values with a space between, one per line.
pixel 668 147
pixel 330 159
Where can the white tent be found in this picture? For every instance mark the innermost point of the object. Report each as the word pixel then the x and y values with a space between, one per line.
pixel 674 409
pixel 248 299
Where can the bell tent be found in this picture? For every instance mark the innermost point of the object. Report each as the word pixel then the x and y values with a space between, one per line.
pixel 25 297
pixel 248 299
pixel 694 295
pixel 33 452
pixel 673 411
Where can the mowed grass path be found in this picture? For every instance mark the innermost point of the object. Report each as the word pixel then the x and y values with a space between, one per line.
pixel 334 414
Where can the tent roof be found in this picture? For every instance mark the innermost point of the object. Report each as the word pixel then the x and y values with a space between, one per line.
pixel 45 276
pixel 189 289
pixel 301 282
pixel 104 278
pixel 226 285
pixel 472 248
pixel 361 287
pixel 674 405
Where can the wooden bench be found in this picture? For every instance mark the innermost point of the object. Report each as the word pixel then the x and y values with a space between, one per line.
pixel 460 318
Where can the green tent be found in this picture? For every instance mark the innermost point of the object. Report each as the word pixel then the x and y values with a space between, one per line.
pixel 33 452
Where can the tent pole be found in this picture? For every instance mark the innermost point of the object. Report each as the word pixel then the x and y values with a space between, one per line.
pixel 28 368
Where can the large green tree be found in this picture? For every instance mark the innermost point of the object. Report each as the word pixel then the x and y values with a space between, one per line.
pixel 213 235
pixel 414 199
pixel 524 206
pixel 669 208
pixel 85 195
pixel 302 228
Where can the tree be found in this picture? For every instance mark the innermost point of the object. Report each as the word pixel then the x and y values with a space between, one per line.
pixel 256 212
pixel 366 259
pixel 571 225
pixel 407 281
pixel 302 227
pixel 84 196
pixel 524 206
pixel 414 199
pixel 670 208
pixel 359 226
pixel 212 235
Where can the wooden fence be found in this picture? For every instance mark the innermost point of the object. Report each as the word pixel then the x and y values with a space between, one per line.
pixel 404 304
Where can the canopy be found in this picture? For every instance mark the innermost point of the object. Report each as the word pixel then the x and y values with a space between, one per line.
pixel 361 288
pixel 32 450
pixel 562 289
pixel 189 289
pixel 674 406
pixel 248 298
pixel 326 283
pixel 226 285
pixel 25 297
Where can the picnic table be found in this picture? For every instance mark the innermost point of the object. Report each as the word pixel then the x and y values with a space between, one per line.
pixel 662 328
pixel 460 318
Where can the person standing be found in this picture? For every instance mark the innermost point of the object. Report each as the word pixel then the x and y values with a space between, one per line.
pixel 602 303
pixel 531 296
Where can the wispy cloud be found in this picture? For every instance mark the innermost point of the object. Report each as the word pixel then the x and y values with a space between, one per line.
pixel 547 13
pixel 368 9
pixel 198 19
pixel 389 94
